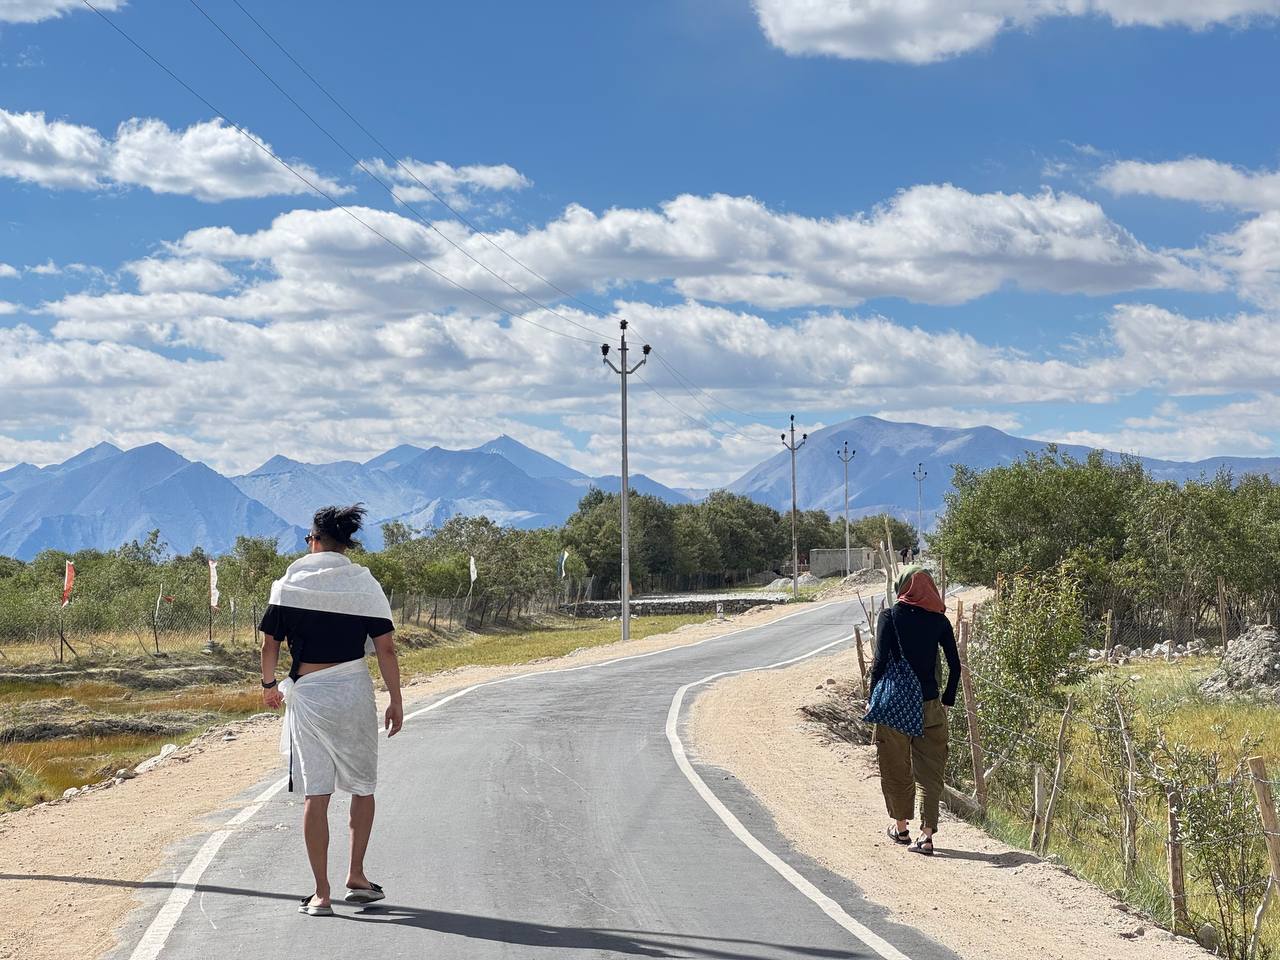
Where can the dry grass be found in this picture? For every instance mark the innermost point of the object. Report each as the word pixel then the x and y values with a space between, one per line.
pixel 1087 833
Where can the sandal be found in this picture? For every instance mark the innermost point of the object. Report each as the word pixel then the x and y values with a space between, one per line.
pixel 314 910
pixel 922 845
pixel 370 894
pixel 897 836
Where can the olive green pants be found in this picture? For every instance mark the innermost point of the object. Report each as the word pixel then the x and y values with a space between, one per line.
pixel 908 763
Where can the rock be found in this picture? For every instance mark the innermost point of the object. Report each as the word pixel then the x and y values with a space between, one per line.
pixel 1094 654
pixel 808 580
pixel 165 753
pixel 124 773
pixel 1208 937
pixel 831 681
pixel 70 792
pixel 1249 667
pixel 228 736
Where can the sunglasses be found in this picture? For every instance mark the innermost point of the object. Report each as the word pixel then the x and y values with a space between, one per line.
pixel 311 538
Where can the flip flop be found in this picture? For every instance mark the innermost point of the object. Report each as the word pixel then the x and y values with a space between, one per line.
pixel 371 894
pixel 922 845
pixel 314 911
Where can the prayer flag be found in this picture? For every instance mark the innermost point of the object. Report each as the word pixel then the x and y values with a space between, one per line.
pixel 213 584
pixel 473 569
pixel 564 560
pixel 68 578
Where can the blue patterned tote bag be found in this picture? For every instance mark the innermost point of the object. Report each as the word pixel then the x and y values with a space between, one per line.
pixel 897 700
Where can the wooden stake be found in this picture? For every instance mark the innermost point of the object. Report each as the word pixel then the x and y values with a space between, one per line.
pixel 1222 610
pixel 1130 838
pixel 1038 804
pixel 1271 833
pixel 959 612
pixel 1106 642
pixel 942 574
pixel 888 539
pixel 1059 773
pixel 862 664
pixel 971 714
pixel 1180 918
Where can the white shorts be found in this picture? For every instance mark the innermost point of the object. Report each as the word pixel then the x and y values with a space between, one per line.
pixel 330 730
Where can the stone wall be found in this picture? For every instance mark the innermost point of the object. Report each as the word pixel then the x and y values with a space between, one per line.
pixel 671 605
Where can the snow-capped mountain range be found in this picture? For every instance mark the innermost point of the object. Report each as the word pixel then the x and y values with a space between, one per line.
pixel 106 496
pixel 888 454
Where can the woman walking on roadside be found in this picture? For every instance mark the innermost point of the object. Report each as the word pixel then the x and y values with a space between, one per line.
pixel 333 613
pixel 912 758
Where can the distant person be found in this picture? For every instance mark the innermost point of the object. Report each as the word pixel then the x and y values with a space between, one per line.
pixel 915 627
pixel 333 613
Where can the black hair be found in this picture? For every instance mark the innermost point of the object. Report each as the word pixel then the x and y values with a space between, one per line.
pixel 339 525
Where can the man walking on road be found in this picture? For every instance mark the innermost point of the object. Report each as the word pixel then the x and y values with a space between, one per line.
pixel 333 613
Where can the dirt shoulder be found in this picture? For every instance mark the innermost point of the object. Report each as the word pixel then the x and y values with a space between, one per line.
pixel 69 869
pixel 979 897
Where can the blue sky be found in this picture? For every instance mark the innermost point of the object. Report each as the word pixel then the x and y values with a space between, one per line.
pixel 1060 217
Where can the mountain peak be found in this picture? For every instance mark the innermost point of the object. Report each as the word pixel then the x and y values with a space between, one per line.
pixel 535 464
pixel 277 464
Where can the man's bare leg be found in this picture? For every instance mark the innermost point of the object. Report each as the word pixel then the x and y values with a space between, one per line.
pixel 361 828
pixel 315 830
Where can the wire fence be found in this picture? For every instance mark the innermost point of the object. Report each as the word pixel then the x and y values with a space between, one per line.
pixel 134 623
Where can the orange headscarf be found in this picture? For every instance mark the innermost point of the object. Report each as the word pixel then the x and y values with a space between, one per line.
pixel 918 589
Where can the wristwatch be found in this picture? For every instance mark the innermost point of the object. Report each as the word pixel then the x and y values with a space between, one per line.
pixel 268 686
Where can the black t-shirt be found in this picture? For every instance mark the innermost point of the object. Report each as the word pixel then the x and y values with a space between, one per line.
pixel 318 636
pixel 923 633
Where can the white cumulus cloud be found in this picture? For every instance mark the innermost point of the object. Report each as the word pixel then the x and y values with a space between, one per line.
pixel 156 275
pixel 925 31
pixel 210 161
pixel 415 180
pixel 33 11
pixel 8 270
pixel 1196 179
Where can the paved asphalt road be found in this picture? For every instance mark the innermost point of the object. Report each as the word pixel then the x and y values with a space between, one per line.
pixel 545 817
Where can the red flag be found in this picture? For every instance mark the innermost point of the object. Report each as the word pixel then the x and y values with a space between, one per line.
pixel 68 579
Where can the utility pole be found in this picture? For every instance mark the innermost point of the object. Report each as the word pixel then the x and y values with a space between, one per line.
pixel 795 552
pixel 919 474
pixel 845 456
pixel 623 372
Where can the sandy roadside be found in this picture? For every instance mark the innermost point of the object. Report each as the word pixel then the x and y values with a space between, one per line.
pixel 69 869
pixel 982 899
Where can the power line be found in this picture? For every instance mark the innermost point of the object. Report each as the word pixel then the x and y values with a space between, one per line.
pixel 408 170
pixel 385 186
pixel 714 431
pixel 522 315
pixel 686 384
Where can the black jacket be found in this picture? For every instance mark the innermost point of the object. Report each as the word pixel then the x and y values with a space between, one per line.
pixel 922 633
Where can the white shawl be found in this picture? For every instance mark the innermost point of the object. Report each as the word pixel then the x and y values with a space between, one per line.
pixel 331 583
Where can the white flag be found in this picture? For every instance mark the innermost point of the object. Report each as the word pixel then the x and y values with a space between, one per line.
pixel 473 569
pixel 213 584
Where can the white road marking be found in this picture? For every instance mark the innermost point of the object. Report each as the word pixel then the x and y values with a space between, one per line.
pixel 157 933
pixel 784 869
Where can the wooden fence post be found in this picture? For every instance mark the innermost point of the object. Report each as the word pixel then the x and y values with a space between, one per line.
pixel 1038 804
pixel 1107 640
pixel 1059 774
pixel 971 714
pixel 1271 833
pixel 1130 838
pixel 1222 610
pixel 942 574
pixel 1179 917
pixel 862 663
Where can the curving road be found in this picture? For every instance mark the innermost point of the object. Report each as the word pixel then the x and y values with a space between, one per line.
pixel 544 816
